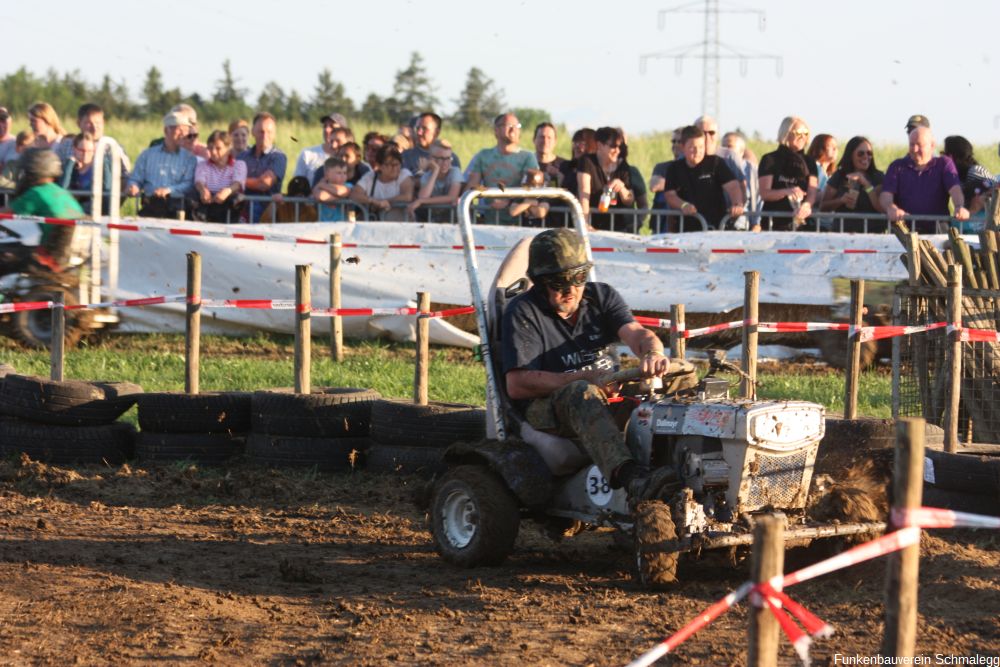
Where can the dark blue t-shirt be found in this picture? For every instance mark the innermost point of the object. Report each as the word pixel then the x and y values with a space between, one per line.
pixel 536 338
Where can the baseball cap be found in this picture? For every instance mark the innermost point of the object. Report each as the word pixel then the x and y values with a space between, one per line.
pixel 175 118
pixel 917 120
pixel 186 110
pixel 4 114
pixel 336 118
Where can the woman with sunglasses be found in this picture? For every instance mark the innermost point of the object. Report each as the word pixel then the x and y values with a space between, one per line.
pixel 606 174
pixel 855 187
pixel 788 179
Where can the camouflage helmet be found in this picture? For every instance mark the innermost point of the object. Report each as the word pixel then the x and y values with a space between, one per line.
pixel 557 251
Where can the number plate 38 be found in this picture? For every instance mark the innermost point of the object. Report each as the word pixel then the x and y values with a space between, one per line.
pixel 598 489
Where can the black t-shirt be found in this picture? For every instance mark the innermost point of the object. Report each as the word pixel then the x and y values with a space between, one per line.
pixel 598 182
pixel 788 169
pixel 839 183
pixel 701 185
pixel 536 338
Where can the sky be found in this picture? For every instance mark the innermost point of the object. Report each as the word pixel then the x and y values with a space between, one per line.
pixel 848 67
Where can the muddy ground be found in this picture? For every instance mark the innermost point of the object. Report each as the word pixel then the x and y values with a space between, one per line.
pixel 243 566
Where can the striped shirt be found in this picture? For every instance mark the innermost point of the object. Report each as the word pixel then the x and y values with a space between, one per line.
pixel 217 178
pixel 156 168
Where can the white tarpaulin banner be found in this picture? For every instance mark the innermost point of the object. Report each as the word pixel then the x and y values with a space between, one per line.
pixel 702 270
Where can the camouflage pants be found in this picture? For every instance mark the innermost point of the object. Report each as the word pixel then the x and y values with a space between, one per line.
pixel 580 411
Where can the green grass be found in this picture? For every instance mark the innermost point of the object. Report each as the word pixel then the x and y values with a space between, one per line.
pixel 157 363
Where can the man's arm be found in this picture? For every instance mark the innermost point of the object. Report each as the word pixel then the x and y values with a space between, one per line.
pixel 674 201
pixel 958 202
pixel 736 192
pixel 645 345
pixel 894 212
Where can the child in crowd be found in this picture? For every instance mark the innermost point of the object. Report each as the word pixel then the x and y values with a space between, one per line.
pixel 440 186
pixel 219 180
pixel 331 190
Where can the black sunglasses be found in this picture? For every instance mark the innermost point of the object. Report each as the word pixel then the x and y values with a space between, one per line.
pixel 562 281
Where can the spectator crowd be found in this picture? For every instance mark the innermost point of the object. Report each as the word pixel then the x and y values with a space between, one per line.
pixel 236 175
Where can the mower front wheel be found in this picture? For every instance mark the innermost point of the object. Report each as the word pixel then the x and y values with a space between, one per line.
pixel 474 517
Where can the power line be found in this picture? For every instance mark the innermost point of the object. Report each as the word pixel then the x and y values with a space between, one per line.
pixel 710 50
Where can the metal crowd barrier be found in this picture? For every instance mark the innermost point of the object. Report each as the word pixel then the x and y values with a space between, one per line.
pixel 831 221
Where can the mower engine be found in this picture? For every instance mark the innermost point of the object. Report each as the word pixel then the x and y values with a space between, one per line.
pixel 734 457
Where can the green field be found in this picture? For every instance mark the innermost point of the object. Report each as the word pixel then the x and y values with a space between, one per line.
pixel 645 150
pixel 228 364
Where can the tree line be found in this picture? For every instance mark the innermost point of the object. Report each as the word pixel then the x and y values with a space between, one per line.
pixel 413 91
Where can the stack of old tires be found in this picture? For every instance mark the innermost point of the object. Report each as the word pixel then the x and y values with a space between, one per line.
pixel 66 422
pixel 208 428
pixel 327 429
pixel 411 439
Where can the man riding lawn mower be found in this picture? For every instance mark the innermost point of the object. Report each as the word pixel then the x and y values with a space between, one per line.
pixel 691 471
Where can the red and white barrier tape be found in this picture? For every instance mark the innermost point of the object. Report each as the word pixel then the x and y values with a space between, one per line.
pixel 133 226
pixel 19 306
pixel 878 333
pixel 799 327
pixel 696 624
pixel 715 328
pixel 653 322
pixel 799 640
pixel 967 335
pixel 879 547
pixel 932 517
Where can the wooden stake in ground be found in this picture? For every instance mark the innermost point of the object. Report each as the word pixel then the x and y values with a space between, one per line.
pixel 748 388
pixel 303 330
pixel 955 366
pixel 192 325
pixel 336 322
pixel 678 344
pixel 903 567
pixel 57 344
pixel 423 350
pixel 854 351
pixel 766 562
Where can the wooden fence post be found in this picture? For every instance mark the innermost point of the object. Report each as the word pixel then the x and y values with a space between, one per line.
pixel 766 562
pixel 955 365
pixel 748 387
pixel 854 350
pixel 423 350
pixel 678 344
pixel 192 326
pixel 303 332
pixel 57 343
pixel 336 321
pixel 903 566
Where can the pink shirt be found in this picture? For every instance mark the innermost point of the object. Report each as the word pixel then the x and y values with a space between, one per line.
pixel 216 178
